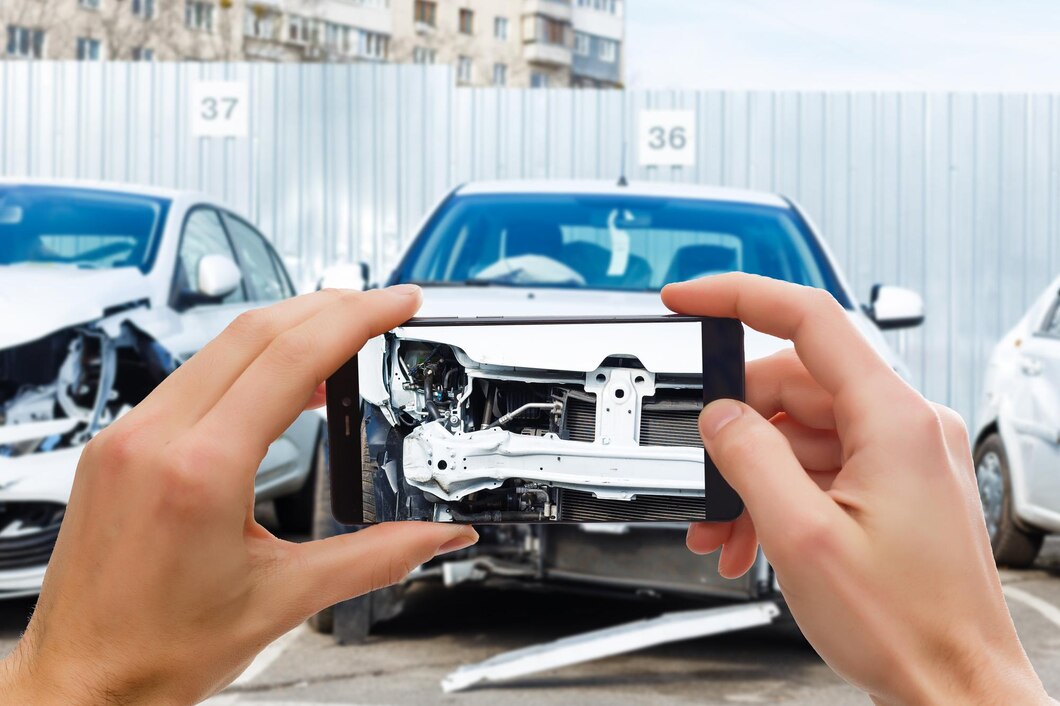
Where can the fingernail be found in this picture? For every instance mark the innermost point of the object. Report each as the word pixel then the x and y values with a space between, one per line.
pixel 404 290
pixel 716 415
pixel 457 543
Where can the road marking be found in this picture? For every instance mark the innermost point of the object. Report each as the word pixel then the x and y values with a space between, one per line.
pixel 1048 610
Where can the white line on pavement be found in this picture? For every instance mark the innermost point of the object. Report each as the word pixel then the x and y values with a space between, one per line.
pixel 1048 610
pixel 268 655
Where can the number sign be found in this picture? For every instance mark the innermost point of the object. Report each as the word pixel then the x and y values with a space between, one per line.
pixel 219 109
pixel 667 138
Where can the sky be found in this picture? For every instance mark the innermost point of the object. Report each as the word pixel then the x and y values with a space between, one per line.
pixel 968 45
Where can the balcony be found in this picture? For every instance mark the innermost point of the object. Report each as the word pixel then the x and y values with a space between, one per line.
pixel 542 53
pixel 554 9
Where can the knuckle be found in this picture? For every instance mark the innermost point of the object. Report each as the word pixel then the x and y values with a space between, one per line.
pixel 292 348
pixel 952 423
pixel 184 478
pixel 116 448
pixel 253 325
pixel 811 535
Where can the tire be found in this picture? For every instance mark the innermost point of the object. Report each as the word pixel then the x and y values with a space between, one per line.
pixel 351 621
pixel 1012 545
pixel 296 512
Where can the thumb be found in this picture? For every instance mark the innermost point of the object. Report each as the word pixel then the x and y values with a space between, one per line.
pixel 755 458
pixel 348 565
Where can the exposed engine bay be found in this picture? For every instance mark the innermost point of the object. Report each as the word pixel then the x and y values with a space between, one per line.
pixel 473 442
pixel 59 390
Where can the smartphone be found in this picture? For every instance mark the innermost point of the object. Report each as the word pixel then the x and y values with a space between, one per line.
pixel 533 419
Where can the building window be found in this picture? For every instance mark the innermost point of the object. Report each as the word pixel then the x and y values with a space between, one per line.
pixel 302 30
pixel 260 23
pixel 582 44
pixel 89 4
pixel 463 69
pixel 198 15
pixel 89 49
pixel 423 55
pixel 25 42
pixel 143 54
pixel 538 80
pixel 500 27
pixel 610 6
pixel 144 9
pixel 500 74
pixel 426 12
pixel 467 22
pixel 608 50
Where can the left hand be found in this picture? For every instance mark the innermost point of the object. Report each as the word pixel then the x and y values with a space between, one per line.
pixel 162 586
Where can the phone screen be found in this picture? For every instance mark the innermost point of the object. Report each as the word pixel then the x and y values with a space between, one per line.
pixel 500 420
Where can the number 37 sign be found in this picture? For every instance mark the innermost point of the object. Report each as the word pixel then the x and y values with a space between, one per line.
pixel 218 109
pixel 667 138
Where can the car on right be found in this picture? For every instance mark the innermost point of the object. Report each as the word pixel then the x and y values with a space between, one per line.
pixel 1017 439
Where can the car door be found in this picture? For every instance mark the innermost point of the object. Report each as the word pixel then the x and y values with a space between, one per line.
pixel 203 234
pixel 1035 410
pixel 267 282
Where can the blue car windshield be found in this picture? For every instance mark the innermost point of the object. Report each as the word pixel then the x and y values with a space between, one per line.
pixel 634 243
pixel 82 227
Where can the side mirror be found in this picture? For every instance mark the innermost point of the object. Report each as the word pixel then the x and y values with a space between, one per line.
pixel 218 277
pixel 895 307
pixel 347 276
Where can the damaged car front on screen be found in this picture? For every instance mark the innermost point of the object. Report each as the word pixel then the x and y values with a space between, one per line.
pixel 495 427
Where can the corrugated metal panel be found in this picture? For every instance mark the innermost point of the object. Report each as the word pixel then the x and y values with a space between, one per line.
pixel 955 195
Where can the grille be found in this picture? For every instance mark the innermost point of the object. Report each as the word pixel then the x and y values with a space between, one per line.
pixel 670 425
pixel 580 419
pixel 37 524
pixel 579 506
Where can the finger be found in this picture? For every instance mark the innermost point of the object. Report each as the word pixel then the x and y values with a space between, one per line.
pixel 196 386
pixel 832 349
pixel 757 461
pixel 276 387
pixel 781 383
pixel 815 449
pixel 335 569
pixel 319 397
pixel 707 537
pixel 740 549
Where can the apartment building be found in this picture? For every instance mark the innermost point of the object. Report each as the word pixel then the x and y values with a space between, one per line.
pixel 521 43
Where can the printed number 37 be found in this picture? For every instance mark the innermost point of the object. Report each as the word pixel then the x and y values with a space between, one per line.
pixel 660 138
pixel 214 108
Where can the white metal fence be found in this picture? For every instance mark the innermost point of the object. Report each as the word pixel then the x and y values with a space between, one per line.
pixel 955 195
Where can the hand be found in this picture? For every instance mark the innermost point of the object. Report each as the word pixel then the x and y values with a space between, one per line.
pixel 863 496
pixel 162 586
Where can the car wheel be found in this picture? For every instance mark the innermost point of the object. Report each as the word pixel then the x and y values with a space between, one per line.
pixel 1012 545
pixel 295 512
pixel 351 621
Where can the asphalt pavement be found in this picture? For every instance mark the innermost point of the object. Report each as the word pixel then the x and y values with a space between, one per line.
pixel 443 629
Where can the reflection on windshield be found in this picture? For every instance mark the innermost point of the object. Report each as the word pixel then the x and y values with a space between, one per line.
pixel 607 242
pixel 87 228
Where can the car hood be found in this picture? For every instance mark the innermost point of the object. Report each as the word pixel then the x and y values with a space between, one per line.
pixel 41 299
pixel 569 347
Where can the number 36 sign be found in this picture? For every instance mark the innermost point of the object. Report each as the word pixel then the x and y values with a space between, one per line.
pixel 667 138
pixel 219 109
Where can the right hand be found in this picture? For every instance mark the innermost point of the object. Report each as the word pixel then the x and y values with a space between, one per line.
pixel 863 496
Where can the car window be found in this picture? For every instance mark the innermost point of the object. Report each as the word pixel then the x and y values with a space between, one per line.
pixel 203 235
pixel 259 268
pixel 1051 325
pixel 285 280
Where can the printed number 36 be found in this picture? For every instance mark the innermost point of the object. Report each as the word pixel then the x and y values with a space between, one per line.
pixel 213 108
pixel 660 138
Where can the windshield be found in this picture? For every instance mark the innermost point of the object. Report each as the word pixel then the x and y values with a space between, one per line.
pixel 608 242
pixel 82 227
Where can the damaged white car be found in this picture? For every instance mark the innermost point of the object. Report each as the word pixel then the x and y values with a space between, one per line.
pixel 570 423
pixel 104 290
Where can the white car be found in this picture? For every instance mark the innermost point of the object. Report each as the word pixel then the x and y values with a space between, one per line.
pixel 1017 439
pixel 104 290
pixel 531 417
pixel 537 422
